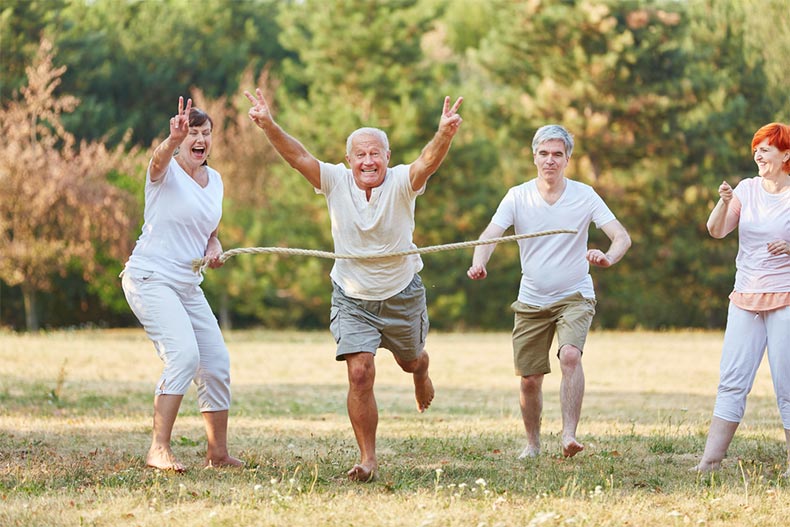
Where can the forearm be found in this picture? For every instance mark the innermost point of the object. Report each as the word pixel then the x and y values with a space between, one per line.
pixel 161 157
pixel 619 246
pixel 717 221
pixel 292 151
pixel 430 158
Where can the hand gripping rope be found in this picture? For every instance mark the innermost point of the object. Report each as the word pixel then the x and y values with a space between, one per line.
pixel 200 264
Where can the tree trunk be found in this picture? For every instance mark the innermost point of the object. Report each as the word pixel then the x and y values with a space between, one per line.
pixel 31 315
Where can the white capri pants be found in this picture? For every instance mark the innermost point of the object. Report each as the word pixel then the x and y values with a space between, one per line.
pixel 178 320
pixel 746 338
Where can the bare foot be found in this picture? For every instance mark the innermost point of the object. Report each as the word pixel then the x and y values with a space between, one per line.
pixel 529 452
pixel 362 473
pixel 423 392
pixel 163 458
pixel 225 461
pixel 571 448
pixel 706 466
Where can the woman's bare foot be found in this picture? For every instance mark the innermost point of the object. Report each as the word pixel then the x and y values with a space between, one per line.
pixel 362 473
pixel 423 391
pixel 224 461
pixel 706 466
pixel 163 459
pixel 571 447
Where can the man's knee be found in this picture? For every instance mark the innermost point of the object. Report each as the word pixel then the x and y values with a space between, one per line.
pixel 570 356
pixel 531 384
pixel 361 371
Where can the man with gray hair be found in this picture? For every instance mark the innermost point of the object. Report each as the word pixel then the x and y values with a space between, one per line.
pixel 556 294
pixel 375 302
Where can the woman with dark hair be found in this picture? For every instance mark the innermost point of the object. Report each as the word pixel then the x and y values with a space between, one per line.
pixel 183 206
pixel 759 314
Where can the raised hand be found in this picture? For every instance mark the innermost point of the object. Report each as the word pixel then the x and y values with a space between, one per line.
pixel 179 124
pixel 725 191
pixel 450 120
pixel 260 112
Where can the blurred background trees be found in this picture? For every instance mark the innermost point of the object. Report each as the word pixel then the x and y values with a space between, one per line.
pixel 662 96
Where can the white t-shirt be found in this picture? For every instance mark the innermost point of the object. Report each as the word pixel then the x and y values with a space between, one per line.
pixel 382 225
pixel 179 217
pixel 553 267
pixel 764 217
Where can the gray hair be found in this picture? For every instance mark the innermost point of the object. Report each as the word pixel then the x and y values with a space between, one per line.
pixel 550 132
pixel 375 132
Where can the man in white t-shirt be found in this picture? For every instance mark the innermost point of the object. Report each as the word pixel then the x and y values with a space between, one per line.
pixel 375 302
pixel 556 292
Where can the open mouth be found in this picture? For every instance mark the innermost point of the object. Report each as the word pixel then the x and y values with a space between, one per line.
pixel 199 151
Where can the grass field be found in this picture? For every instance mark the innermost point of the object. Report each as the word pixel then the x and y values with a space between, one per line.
pixel 75 418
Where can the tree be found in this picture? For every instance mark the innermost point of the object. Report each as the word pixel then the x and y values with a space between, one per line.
pixel 57 210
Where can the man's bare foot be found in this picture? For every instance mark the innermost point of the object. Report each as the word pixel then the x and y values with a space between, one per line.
pixel 706 466
pixel 225 461
pixel 423 392
pixel 362 473
pixel 529 451
pixel 571 448
pixel 163 459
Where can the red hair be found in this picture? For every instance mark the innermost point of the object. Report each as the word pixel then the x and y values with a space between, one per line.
pixel 778 135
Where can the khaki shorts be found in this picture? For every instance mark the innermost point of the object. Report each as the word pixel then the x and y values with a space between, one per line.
pixel 399 323
pixel 534 327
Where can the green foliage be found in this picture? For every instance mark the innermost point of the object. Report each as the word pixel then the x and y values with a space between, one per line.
pixel 662 97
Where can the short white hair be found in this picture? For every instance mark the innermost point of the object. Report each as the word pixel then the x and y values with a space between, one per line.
pixel 551 132
pixel 375 132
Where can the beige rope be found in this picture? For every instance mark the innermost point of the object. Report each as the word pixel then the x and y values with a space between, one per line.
pixel 199 265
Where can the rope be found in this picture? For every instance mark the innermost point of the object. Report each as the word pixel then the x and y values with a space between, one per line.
pixel 199 265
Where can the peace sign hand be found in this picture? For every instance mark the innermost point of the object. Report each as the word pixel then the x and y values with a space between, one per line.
pixel 260 112
pixel 179 125
pixel 450 120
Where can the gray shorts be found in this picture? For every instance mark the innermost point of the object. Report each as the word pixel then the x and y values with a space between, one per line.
pixel 534 330
pixel 399 323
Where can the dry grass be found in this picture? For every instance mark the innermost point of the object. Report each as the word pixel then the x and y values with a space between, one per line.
pixel 76 411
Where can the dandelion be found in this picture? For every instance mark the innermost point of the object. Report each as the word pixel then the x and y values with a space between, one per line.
pixel 481 482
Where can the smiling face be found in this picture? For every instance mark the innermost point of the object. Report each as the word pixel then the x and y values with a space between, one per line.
pixel 551 160
pixel 769 159
pixel 368 158
pixel 196 147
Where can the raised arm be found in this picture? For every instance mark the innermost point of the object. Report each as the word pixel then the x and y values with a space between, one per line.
pixel 291 150
pixel 163 153
pixel 723 219
pixel 435 151
pixel 621 241
pixel 483 252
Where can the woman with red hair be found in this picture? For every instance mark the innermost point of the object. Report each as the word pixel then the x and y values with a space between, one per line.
pixel 758 318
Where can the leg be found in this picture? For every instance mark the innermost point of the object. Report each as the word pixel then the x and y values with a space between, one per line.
pixel 742 352
pixel 160 455
pixel 719 439
pixel 217 434
pixel 787 447
pixel 363 413
pixel 423 387
pixel 212 379
pixel 159 309
pixel 778 329
pixel 531 402
pixel 571 395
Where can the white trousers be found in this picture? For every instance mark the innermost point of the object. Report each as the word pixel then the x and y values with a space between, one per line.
pixel 746 339
pixel 186 335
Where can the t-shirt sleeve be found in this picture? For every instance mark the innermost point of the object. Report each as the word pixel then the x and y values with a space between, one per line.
pixel 505 215
pixel 401 175
pixel 601 213
pixel 329 175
